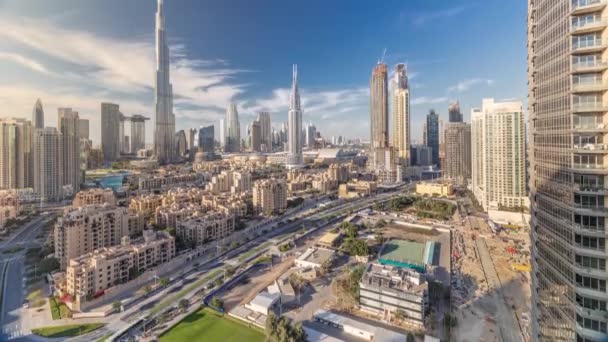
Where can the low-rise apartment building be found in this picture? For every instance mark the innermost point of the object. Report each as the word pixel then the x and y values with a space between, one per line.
pixel 146 204
pixel 94 197
pixel 357 188
pixel 269 196
pixel 432 189
pixel 204 228
pixel 170 216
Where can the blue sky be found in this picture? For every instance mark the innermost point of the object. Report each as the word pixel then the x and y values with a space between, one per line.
pixel 74 53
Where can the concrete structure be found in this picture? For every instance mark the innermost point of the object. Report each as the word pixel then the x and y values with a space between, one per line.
pixel 568 112
pixel 310 136
pixel 84 229
pixel 48 164
pixel 181 144
pixel 384 289
pixel 138 132
pixel 94 197
pixel 89 275
pixel 407 254
pixel 266 131
pixel 163 95
pixel 110 131
pixel 431 189
pixel 38 115
pixel 206 228
pixel 315 258
pixel 401 116
pixel 421 155
pixel 16 154
pixel 68 123
pixel 379 107
pixel 456 164
pixel 357 188
pixel 294 145
pixel 499 154
pixel 359 330
pixel 233 130
pixel 270 196
pixel 329 240
pixel 431 135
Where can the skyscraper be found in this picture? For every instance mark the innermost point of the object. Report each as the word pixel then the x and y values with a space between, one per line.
pixel 38 115
pixel 181 145
pixel 16 155
pixel 454 112
pixel 110 122
pixel 379 107
pixel 138 132
pixel 48 163
pixel 83 128
pixel 432 134
pixel 206 139
pixel 191 137
pixel 266 131
pixel 499 159
pixel 165 120
pixel 311 132
pixel 568 113
pixel 294 153
pixel 256 136
pixel 68 122
pixel 401 115
pixel 222 132
pixel 457 158
pixel 233 129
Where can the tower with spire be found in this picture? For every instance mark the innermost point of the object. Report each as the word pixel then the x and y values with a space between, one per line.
pixel 38 115
pixel 294 152
pixel 164 131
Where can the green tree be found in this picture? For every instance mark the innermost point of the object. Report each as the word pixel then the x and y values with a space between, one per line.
pixel 217 303
pixel 280 329
pixel 184 304
pixel 117 305
pixel 163 282
pixel 147 289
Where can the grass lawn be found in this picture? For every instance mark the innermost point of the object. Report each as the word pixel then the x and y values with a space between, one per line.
pixel 59 310
pixel 206 325
pixel 67 330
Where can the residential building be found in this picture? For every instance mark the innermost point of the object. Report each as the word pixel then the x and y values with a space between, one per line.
pixel 16 154
pixel 256 136
pixel 338 172
pixel 163 97
pixel 48 164
pixel 84 229
pixel 233 130
pixel 93 273
pixel 110 129
pixel 68 122
pixel 433 189
pixel 385 289
pixel 146 204
pixel 431 134
pixel 456 164
pixel 241 182
pixel 38 115
pixel 357 188
pixel 94 197
pixel 270 196
pixel 499 155
pixel 568 110
pixel 294 145
pixel 401 116
pixel 315 258
pixel 169 216
pixel 205 228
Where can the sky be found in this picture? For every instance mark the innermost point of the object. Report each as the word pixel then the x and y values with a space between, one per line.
pixel 75 53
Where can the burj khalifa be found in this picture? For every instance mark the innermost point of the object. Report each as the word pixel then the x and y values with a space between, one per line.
pixel 164 119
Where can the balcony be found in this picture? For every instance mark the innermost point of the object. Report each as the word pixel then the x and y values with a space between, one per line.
pixel 587 6
pixel 590 128
pixel 588 271
pixel 589 87
pixel 590 148
pixel 588 66
pixel 586 46
pixel 588 27
pixel 589 107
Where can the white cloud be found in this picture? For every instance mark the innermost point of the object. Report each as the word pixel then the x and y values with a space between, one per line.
pixel 424 100
pixel 420 19
pixel 467 84
pixel 24 61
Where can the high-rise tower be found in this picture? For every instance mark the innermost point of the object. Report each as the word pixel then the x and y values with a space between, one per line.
pixel 265 131
pixel 110 131
pixel 294 152
pixel 379 106
pixel 38 115
pixel 567 98
pixel 68 123
pixel 232 130
pixel 432 134
pixel 401 115
pixel 164 120
pixel 454 113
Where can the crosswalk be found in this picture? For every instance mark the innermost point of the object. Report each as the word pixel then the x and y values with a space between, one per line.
pixel 11 333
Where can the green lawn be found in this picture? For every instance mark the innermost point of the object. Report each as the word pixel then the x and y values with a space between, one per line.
pixel 205 325
pixel 59 310
pixel 67 330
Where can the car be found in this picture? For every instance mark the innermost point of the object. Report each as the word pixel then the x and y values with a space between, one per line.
pixel 26 305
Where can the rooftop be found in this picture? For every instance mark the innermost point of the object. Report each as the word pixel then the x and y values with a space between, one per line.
pixel 394 278
pixel 403 251
pixel 329 238
pixel 316 255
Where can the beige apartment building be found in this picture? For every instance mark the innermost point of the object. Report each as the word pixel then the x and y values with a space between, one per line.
pixel 48 164
pixel 90 274
pixel 228 204
pixel 204 228
pixel 270 196
pixel 84 229
pixel 16 154
pixel 357 188
pixel 338 172
pixel 146 204
pixel 170 216
pixel 94 197
pixel 432 189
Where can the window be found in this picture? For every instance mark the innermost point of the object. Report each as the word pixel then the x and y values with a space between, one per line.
pixel 591 283
pixel 591 262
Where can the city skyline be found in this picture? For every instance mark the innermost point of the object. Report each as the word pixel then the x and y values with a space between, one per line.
pixel 206 80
